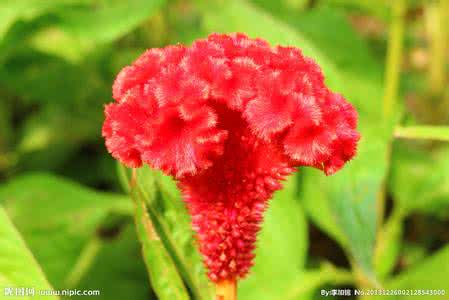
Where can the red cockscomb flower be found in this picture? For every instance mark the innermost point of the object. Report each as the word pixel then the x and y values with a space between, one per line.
pixel 228 118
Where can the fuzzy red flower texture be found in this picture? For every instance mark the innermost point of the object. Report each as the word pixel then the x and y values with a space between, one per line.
pixel 229 118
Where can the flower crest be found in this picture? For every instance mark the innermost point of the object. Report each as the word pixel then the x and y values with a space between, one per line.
pixel 228 117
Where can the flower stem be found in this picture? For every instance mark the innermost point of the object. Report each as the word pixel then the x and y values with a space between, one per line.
pixel 438 133
pixel 84 262
pixel 394 57
pixel 226 290
pixel 391 81
pixel 436 16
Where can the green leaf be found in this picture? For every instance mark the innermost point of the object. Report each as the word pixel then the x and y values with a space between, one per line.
pixel 378 8
pixel 350 197
pixel 18 268
pixel 28 72
pixel 439 133
pixel 307 284
pixel 388 244
pixel 256 23
pixel 175 221
pixel 52 127
pixel 429 274
pixel 172 224
pixel 107 20
pixel 281 6
pixel 49 210
pixel 53 40
pixel 87 23
pixel 164 276
pixel 6 129
pixel 118 270
pixel 22 19
pixel 13 10
pixel 53 130
pixel 281 249
pixel 420 179
pixel 412 253
pixel 349 213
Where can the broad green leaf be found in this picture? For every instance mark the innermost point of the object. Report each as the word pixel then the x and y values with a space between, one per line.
pixel 18 268
pixel 28 72
pixel 50 210
pixel 163 275
pixel 87 23
pixel 429 274
pixel 307 283
pixel 107 20
pixel 118 271
pixel 350 196
pixel 13 10
pixel 21 19
pixel 282 6
pixel 184 248
pixel 6 130
pixel 54 41
pixel 388 244
pixel 256 23
pixel 352 207
pixel 281 250
pixel 412 253
pixel 439 133
pixel 420 179
pixel 52 132
pixel 172 223
pixel 52 127
pixel 379 8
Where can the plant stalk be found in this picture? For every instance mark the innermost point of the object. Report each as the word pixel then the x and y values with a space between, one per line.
pixel 394 58
pixel 423 132
pixel 226 290
pixel 391 82
pixel 436 17
pixel 84 262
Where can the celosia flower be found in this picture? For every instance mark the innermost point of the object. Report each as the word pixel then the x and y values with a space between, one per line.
pixel 229 118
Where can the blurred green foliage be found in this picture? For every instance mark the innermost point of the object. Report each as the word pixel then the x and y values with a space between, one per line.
pixel 66 220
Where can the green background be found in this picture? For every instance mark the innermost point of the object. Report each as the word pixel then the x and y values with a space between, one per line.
pixel 67 220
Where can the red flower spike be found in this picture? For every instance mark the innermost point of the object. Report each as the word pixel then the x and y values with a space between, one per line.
pixel 228 118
